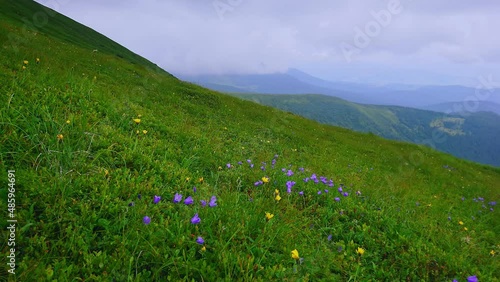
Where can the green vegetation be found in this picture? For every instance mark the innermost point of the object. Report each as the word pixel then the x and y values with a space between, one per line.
pixel 471 136
pixel 95 137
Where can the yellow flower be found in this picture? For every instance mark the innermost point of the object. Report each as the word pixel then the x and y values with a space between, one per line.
pixel 265 179
pixel 25 62
pixel 276 192
pixel 465 228
pixel 68 121
pixel 360 251
pixel 137 131
pixel 24 67
pixel 139 116
pixel 492 252
pixel 219 168
pixel 60 137
pixel 269 215
pixel 137 120
pixel 295 254
pixel 188 178
pixel 106 172
pixel 200 179
pixel 145 131
pixel 203 249
pixel 278 198
pixel 37 60
pixel 461 222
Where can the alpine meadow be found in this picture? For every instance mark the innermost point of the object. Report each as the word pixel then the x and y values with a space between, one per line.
pixel 122 172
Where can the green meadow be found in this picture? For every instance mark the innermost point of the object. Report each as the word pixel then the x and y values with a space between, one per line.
pixel 125 173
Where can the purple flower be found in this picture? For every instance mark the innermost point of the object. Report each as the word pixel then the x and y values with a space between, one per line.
pixel 329 237
pixel 339 249
pixel 289 172
pixel 251 165
pixel 340 189
pixel 196 219
pixel 177 198
pixel 146 220
pixel 240 163
pixel 301 193
pixel 203 203
pixel 249 161
pixel 200 240
pixel 345 194
pixel 212 202
pixel 472 279
pixel 283 169
pixel 139 196
pixel 337 199
pixel 194 189
pixel 263 168
pixel 481 199
pixel 189 201
pixel 258 183
pixel 131 204
pixel 228 165
pixel 289 190
pixel 319 192
pixel 306 179
pixel 326 190
pixel 463 198
pixel 492 203
pixel 454 280
pixel 301 169
pixel 156 199
pixel 313 176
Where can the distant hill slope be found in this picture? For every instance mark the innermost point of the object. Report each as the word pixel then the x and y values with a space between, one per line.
pixel 114 170
pixel 297 82
pixel 466 106
pixel 472 136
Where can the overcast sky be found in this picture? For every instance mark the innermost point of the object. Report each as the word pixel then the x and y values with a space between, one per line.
pixel 378 41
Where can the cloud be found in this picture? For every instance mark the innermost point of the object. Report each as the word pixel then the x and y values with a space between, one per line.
pixel 257 36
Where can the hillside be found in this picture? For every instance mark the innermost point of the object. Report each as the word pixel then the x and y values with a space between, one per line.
pixel 472 136
pixel 122 172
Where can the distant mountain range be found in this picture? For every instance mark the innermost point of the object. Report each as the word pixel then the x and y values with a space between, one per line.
pixel 473 136
pixel 438 98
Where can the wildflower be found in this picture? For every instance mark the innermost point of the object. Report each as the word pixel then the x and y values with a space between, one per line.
pixel 340 189
pixel 295 254
pixel 212 202
pixel 289 190
pixel 319 192
pixel 203 203
pixel 251 165
pixel 461 222
pixel 189 201
pixel 339 249
pixel 177 198
pixel 137 120
pixel 269 215
pixel 326 190
pixel 68 121
pixel 265 179
pixel 156 199
pixel 194 189
pixel 306 179
pixel 106 172
pixel 249 161
pixel 200 240
pixel 289 172
pixel 228 165
pixel 219 168
pixel 465 228
pixel 60 137
pixel 131 204
pixel 203 249
pixel 24 67
pixel 492 203
pixel 37 60
pixel 492 252
pixel 139 196
pixel 240 163
pixel 449 217
pixel 25 62
pixel 277 198
pixel 200 179
pixel 146 220
pixel 144 132
pixel 196 219
pixel 472 278
pixel 358 193
pixel 301 193
pixel 337 199
pixel 301 169
pixel 329 237
pixel 360 251
pixel 276 192
pixel 345 194
pixel 262 168
pixel 258 183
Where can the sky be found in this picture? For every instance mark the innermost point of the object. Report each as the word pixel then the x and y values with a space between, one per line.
pixel 378 41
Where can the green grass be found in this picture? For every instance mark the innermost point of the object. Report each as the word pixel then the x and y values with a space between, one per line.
pixel 73 195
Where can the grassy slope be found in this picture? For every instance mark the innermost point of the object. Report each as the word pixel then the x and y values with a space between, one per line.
pixel 73 195
pixel 398 123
